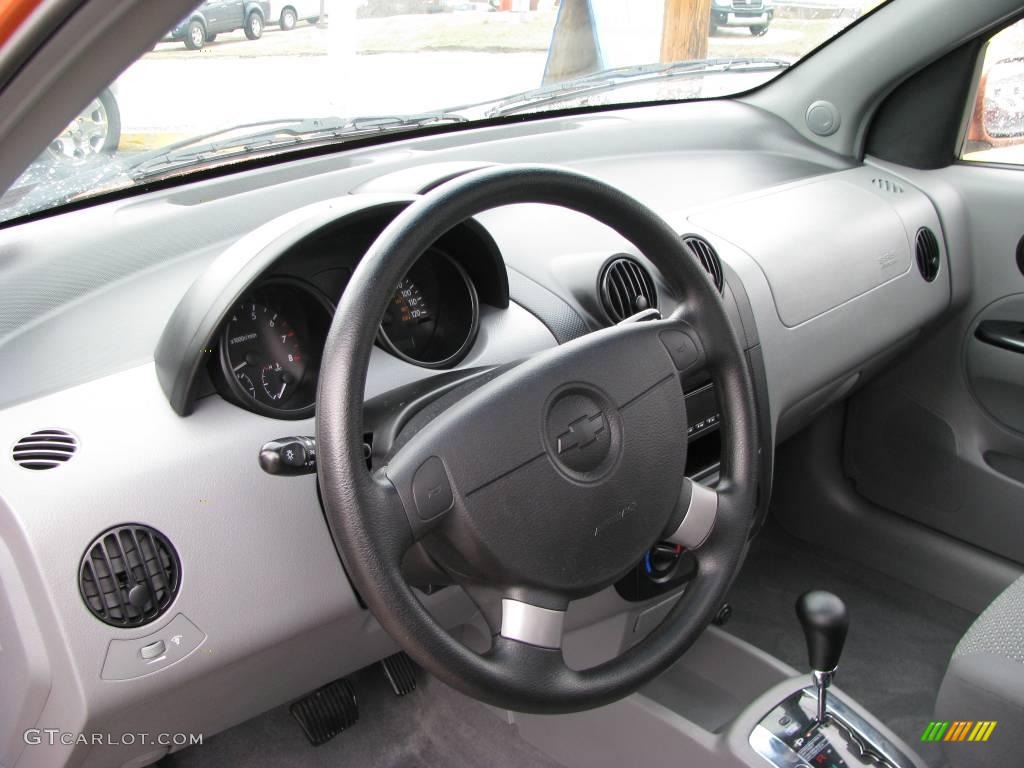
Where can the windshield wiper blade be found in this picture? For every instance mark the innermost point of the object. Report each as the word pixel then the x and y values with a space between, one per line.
pixel 273 134
pixel 608 79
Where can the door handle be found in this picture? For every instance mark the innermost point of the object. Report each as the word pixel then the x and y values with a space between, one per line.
pixel 1005 334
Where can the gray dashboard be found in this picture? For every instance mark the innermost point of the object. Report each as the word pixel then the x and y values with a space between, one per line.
pixel 821 281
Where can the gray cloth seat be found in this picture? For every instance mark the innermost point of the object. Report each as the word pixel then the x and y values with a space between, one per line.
pixel 985 682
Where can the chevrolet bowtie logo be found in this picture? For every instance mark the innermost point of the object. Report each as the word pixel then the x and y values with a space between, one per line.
pixel 582 432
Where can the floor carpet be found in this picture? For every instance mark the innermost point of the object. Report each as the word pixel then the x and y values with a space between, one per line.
pixel 432 727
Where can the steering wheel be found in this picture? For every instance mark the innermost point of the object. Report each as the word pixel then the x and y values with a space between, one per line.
pixel 549 482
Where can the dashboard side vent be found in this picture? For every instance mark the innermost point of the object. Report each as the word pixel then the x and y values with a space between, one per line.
pixel 626 288
pixel 888 185
pixel 928 256
pixel 708 257
pixel 45 449
pixel 129 575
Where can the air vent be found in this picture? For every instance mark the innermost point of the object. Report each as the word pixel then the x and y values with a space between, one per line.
pixel 887 185
pixel 626 288
pixel 928 257
pixel 129 576
pixel 704 251
pixel 45 449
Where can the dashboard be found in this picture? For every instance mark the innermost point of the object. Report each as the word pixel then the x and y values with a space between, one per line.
pixel 206 307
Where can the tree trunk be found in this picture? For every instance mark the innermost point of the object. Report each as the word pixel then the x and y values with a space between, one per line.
pixel 685 34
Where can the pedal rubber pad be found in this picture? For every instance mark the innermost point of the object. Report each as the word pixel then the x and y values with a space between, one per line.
pixel 327 711
pixel 400 671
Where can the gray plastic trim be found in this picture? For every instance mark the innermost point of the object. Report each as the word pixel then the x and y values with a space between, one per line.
pixel 802 357
pixel 901 39
pixel 274 624
pixel 669 723
pixel 847 245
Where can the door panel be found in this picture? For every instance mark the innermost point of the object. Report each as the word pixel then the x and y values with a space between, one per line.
pixel 212 12
pixel 995 361
pixel 228 13
pixel 234 14
pixel 940 438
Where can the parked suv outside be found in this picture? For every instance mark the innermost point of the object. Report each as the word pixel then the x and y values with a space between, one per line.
pixel 216 16
pixel 755 15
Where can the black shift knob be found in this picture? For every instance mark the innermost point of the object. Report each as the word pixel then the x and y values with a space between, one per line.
pixel 825 621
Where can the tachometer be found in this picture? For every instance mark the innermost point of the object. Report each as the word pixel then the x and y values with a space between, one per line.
pixel 270 348
pixel 260 340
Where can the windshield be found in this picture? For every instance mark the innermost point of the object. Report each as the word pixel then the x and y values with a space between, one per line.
pixel 236 79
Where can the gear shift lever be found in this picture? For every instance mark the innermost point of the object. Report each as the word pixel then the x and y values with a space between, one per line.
pixel 825 621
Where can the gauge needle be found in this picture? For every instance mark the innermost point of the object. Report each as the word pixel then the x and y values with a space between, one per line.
pixel 240 366
pixel 281 393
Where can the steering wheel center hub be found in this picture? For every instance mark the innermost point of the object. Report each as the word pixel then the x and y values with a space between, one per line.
pixel 583 433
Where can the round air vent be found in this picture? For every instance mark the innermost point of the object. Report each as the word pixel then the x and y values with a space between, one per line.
pixel 45 449
pixel 928 257
pixel 129 575
pixel 708 257
pixel 626 288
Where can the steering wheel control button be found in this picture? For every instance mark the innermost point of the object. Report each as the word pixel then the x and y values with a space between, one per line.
pixel 153 650
pixel 431 489
pixel 128 659
pixel 681 348
pixel 579 432
pixel 289 456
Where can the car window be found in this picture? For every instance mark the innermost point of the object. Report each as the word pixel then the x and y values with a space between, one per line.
pixel 239 78
pixel 995 133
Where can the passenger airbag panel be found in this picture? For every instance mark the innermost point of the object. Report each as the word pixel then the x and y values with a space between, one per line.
pixel 849 241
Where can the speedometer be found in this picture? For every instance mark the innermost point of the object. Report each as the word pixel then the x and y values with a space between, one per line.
pixel 433 315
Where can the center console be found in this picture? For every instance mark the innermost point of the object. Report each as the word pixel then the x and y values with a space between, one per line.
pixel 809 728
pixel 724 704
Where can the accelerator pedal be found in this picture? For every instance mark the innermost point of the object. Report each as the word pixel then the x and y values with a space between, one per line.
pixel 400 671
pixel 327 711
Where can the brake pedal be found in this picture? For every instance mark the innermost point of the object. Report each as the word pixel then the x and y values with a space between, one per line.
pixel 327 711
pixel 400 671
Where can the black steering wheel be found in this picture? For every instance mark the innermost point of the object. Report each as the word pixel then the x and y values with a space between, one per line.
pixel 551 481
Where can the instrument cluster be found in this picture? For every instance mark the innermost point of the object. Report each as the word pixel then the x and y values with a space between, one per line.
pixel 272 341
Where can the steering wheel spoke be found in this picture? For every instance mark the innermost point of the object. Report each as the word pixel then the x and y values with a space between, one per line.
pixel 532 619
pixel 696 514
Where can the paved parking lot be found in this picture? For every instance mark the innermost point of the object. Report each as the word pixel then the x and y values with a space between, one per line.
pixel 194 97
pixel 400 65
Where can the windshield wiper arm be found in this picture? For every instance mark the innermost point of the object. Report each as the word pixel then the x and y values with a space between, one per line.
pixel 610 78
pixel 274 134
